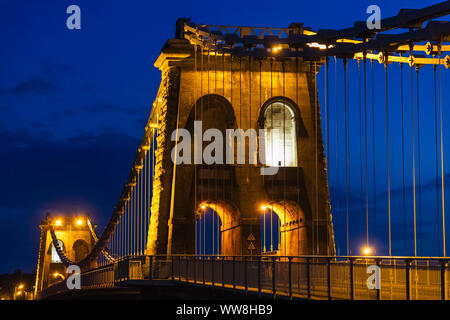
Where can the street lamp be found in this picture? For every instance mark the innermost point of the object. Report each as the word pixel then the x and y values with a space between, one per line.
pixel 57 274
pixel 367 251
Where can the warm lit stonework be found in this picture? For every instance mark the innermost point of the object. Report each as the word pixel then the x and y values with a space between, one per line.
pixel 239 92
pixel 75 239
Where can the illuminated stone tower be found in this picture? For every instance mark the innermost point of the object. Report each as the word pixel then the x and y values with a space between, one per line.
pixel 227 91
pixel 75 239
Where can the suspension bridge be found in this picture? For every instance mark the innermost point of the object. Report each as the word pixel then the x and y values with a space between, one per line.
pixel 228 227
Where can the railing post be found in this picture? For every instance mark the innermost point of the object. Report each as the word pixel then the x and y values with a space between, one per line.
pixel 274 289
pixel 223 272
pixel 308 278
pixel 195 269
pixel 212 271
pixel 245 275
pixel 378 262
pixel 203 264
pixel 407 268
pixel 128 268
pixel 187 268
pixel 443 268
pixel 234 272
pixel 179 268
pixel 290 276
pixel 352 295
pixel 329 277
pixel 173 269
pixel 151 268
pixel 259 276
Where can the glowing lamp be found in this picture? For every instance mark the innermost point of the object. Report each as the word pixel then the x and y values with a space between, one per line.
pixel 276 49
pixel 20 286
pixel 79 222
pixel 56 274
pixel 367 251
pixel 19 293
pixel 317 45
pixel 263 207
pixel 203 207
pixel 58 222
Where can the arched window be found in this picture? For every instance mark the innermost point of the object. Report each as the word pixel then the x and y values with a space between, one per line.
pixel 55 256
pixel 81 249
pixel 281 138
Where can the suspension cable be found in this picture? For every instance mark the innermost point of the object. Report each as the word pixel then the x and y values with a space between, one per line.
pixel 201 117
pixel 365 150
pixel 437 160
pixel 284 162
pixel 316 116
pixel 413 164
pixel 373 151
pixel 442 159
pixel 297 175
pixel 360 137
pixel 337 167
pixel 387 157
pixel 419 164
pixel 347 169
pixel 403 157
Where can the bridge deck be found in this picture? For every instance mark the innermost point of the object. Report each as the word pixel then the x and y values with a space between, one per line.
pixel 292 277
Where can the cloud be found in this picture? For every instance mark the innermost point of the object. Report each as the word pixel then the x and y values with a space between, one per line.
pixel 39 125
pixel 33 85
pixel 104 108
pixel 86 172
pixel 35 168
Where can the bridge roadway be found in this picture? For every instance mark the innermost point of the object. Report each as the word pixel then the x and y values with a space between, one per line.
pixel 305 277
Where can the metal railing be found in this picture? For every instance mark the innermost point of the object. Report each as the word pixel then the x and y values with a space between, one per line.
pixel 309 277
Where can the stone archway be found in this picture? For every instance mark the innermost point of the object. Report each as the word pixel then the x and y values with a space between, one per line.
pixel 230 225
pixel 293 233
pixel 80 249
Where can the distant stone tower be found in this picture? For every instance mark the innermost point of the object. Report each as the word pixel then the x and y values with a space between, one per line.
pixel 75 240
pixel 236 91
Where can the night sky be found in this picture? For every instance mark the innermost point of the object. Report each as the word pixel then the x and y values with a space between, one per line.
pixel 74 103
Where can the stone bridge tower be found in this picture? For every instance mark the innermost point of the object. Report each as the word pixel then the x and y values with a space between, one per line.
pixel 228 91
pixel 75 240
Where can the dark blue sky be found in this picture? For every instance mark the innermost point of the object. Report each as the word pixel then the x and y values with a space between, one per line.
pixel 73 103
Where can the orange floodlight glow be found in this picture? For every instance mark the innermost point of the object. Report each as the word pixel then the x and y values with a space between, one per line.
pixel 276 49
pixel 57 274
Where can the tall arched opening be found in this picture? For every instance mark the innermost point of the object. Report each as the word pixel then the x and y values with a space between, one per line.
pixel 283 229
pixel 217 229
